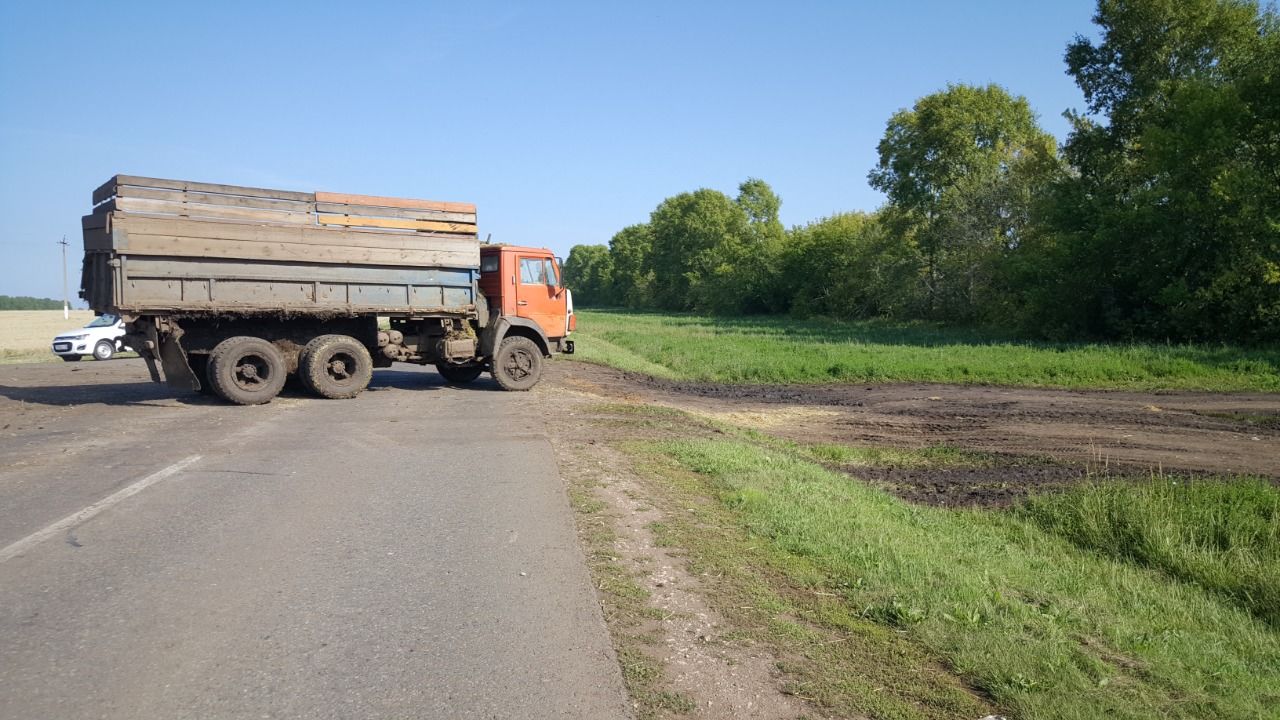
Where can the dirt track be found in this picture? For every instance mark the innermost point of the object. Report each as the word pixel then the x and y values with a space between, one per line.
pixel 1045 438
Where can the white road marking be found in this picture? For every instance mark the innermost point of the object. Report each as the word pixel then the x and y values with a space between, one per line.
pixel 74 519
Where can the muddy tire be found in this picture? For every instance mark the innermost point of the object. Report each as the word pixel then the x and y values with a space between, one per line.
pixel 518 363
pixel 104 350
pixel 335 366
pixel 246 370
pixel 459 374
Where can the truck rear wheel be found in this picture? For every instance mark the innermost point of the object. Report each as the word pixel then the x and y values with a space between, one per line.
pixel 246 370
pixel 335 366
pixel 459 374
pixel 518 363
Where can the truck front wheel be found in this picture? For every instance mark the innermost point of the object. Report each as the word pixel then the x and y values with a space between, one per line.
pixel 246 370
pixel 518 363
pixel 335 366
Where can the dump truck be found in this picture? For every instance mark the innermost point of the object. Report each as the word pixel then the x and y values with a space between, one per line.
pixel 232 290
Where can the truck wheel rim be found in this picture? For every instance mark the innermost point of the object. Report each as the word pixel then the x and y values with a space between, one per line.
pixel 340 368
pixel 252 372
pixel 519 365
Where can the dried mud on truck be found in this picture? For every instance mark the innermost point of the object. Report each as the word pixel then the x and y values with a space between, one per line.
pixel 231 290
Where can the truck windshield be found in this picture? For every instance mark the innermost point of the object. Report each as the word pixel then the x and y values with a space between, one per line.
pixel 103 321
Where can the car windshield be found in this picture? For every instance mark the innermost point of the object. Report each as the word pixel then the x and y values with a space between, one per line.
pixel 103 321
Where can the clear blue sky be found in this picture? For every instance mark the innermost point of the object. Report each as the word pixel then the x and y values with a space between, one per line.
pixel 564 122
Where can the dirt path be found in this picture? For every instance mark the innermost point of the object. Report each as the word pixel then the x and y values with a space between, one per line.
pixel 1180 432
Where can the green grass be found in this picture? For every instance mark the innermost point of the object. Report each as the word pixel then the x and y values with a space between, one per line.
pixel 1035 624
pixel 785 350
pixel 1221 535
pixel 936 456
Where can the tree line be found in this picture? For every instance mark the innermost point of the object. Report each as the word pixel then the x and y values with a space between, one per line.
pixel 22 302
pixel 1158 217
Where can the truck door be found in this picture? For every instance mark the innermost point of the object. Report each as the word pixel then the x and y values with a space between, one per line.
pixel 539 296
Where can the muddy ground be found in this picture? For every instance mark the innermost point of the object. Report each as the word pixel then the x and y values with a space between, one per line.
pixel 1039 439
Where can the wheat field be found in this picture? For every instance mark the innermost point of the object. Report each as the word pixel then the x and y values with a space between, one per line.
pixel 25 335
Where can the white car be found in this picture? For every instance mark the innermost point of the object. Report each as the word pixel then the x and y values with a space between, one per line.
pixel 101 338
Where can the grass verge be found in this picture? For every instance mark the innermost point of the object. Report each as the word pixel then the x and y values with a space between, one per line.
pixel 785 350
pixel 1224 536
pixel 888 609
pixel 829 653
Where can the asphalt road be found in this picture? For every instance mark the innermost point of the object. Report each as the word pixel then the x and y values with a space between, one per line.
pixel 406 554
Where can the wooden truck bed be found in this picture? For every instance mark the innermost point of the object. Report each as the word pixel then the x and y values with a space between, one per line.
pixel 171 246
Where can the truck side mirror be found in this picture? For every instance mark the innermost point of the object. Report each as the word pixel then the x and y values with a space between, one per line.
pixel 553 281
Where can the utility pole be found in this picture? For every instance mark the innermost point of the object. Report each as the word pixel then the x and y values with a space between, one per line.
pixel 66 300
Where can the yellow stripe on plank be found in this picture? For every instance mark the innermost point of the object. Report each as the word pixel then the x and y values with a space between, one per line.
pixel 429 225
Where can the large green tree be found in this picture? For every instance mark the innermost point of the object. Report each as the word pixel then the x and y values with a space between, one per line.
pixel 631 253
pixel 757 270
pixel 959 168
pixel 698 240
pixel 588 271
pixel 848 266
pixel 1172 224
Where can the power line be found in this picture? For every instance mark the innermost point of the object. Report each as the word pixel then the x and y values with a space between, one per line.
pixel 66 299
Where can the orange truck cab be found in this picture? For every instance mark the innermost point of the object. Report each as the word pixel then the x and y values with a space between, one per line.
pixel 526 296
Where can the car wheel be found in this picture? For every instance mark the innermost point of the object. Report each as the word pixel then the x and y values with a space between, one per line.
pixel 70 358
pixel 104 350
pixel 246 370
pixel 335 366
pixel 518 363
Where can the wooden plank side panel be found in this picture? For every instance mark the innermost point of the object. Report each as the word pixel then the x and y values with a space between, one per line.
pixel 397 224
pixel 104 238
pixel 405 213
pixel 179 246
pixel 105 190
pixel 177 268
pixel 142 235
pixel 239 201
pixel 201 210
pixel 300 234
pixel 188 186
pixel 95 221
pixel 376 201
pixel 97 239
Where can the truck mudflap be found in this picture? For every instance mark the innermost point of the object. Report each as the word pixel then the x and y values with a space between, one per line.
pixel 162 340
